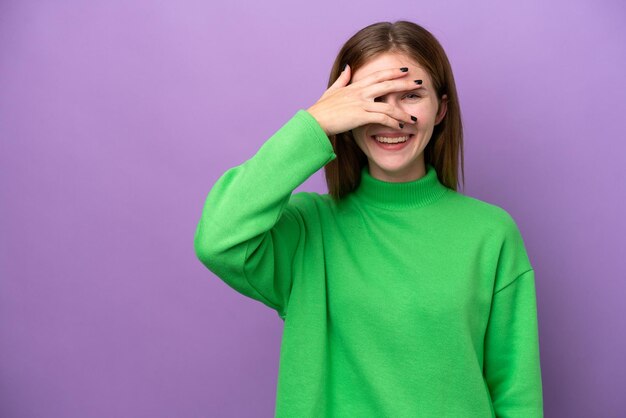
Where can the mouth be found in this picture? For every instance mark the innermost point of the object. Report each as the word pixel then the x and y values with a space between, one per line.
pixel 392 143
pixel 391 140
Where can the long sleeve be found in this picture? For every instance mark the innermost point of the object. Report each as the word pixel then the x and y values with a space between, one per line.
pixel 250 226
pixel 511 363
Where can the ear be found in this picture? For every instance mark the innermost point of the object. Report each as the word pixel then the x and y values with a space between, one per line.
pixel 443 108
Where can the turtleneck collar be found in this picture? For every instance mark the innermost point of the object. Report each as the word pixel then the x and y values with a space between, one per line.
pixel 400 195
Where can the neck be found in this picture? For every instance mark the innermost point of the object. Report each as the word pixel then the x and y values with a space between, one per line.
pixel 400 195
pixel 410 173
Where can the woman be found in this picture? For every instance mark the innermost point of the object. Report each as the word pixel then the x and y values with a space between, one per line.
pixel 400 296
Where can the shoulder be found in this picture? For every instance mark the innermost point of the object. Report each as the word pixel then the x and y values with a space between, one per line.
pixel 503 233
pixel 490 215
pixel 493 223
pixel 500 233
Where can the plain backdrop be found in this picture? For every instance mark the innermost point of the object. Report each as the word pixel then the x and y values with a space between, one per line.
pixel 117 117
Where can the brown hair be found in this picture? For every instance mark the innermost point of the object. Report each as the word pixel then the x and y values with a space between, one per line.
pixel 445 148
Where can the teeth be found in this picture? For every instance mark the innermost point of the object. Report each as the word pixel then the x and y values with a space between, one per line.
pixel 391 140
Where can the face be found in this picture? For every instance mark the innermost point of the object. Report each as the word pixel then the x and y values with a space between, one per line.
pixel 407 162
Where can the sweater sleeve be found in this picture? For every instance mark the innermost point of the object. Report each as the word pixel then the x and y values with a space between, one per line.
pixel 511 364
pixel 250 226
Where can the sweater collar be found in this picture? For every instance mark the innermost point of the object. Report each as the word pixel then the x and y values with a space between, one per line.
pixel 400 195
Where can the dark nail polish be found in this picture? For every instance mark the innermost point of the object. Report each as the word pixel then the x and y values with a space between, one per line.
pixel 344 67
pixel 404 69
pixel 418 81
pixel 413 118
pixel 401 125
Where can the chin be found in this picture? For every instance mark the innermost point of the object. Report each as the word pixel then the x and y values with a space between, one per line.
pixel 396 166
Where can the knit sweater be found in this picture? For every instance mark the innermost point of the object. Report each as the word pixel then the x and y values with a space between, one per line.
pixel 401 300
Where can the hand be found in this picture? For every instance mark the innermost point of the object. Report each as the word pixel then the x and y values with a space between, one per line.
pixel 343 107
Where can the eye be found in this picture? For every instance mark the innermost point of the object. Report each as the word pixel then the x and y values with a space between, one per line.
pixel 412 94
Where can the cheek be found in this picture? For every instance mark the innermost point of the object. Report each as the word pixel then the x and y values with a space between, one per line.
pixel 359 138
pixel 424 113
pixel 358 134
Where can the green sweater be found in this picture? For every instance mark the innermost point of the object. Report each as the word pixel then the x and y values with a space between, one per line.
pixel 403 300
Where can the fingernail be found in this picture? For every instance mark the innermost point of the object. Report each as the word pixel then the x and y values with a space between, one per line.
pixel 404 69
pixel 413 118
pixel 418 81
pixel 344 67
pixel 401 125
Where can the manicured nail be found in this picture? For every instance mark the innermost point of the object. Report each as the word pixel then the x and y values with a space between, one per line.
pixel 401 125
pixel 418 81
pixel 404 69
pixel 343 68
pixel 413 118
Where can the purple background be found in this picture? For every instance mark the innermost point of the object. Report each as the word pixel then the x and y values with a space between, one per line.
pixel 116 119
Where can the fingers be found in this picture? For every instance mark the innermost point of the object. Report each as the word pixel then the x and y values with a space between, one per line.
pixel 389 86
pixel 382 75
pixel 385 81
pixel 345 106
pixel 382 119
pixel 394 113
pixel 343 79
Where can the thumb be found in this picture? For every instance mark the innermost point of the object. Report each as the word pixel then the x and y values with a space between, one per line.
pixel 343 79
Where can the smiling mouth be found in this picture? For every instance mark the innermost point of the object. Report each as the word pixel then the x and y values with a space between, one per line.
pixel 388 140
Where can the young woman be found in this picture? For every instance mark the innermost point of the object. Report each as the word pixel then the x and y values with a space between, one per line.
pixel 400 296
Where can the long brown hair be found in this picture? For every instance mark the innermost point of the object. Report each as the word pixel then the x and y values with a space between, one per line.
pixel 445 148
